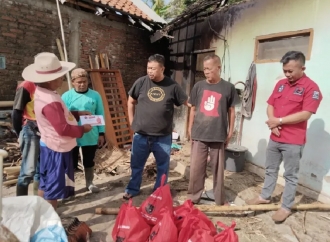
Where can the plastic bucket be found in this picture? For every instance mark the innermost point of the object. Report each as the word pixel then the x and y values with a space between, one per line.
pixel 235 158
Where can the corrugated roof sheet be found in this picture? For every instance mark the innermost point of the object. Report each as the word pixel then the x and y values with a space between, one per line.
pixel 133 8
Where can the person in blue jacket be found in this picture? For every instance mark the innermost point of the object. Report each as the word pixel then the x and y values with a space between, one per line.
pixel 82 98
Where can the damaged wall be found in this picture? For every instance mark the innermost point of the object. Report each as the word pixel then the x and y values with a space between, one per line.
pixel 32 26
pixel 263 17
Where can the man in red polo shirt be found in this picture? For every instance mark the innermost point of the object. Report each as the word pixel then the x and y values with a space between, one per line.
pixel 291 104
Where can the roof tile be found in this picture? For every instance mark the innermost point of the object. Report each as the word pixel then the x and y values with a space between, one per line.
pixel 126 6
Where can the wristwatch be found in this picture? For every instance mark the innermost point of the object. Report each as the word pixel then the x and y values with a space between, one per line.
pixel 280 121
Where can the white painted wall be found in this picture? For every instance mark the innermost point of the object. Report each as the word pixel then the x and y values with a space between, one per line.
pixel 274 16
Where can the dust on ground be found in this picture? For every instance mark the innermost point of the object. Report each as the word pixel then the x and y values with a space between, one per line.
pixel 250 226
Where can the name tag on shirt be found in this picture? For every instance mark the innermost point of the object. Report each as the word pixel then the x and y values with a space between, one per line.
pixel 94 120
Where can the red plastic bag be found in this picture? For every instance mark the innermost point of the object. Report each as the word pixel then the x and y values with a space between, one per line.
pixel 165 229
pixel 161 198
pixel 130 226
pixel 201 235
pixel 228 234
pixel 191 224
pixel 181 212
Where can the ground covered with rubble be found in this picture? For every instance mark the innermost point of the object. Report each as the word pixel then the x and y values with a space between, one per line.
pixel 251 226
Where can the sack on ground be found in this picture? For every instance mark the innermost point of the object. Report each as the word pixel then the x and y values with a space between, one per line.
pixel 130 226
pixel 161 198
pixel 165 229
pixel 226 235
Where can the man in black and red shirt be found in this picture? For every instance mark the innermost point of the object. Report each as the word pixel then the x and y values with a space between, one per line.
pixel 211 125
pixel 25 126
pixel 293 101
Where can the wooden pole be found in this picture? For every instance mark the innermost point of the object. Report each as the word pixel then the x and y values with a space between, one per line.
pixel 63 40
pixel 220 209
pixel 3 154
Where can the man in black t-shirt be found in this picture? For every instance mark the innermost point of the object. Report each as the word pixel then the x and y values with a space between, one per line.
pixel 150 110
pixel 212 109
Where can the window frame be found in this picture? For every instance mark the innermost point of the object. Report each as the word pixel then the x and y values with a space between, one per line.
pixel 283 35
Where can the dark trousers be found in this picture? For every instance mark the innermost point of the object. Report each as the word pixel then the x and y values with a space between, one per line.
pixel 198 163
pixel 88 153
pixel 142 146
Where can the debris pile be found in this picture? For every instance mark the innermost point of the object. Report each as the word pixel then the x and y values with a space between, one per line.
pixel 112 160
pixel 6 129
pixel 11 165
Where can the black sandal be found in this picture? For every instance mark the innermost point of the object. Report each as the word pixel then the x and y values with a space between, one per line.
pixel 127 196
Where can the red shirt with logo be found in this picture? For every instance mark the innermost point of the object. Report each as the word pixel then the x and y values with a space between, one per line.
pixel 287 98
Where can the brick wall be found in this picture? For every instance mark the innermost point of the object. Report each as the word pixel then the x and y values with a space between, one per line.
pixel 127 48
pixel 25 31
pixel 28 27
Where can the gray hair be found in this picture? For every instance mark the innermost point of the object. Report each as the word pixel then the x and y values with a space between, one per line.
pixel 213 57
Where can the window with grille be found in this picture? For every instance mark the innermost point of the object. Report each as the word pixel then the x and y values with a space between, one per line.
pixel 271 48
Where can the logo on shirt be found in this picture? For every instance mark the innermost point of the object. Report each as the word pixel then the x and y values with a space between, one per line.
pixel 210 103
pixel 70 117
pixel 299 91
pixel 280 89
pixel 156 94
pixel 316 95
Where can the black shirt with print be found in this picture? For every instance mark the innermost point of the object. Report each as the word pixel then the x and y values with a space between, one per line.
pixel 155 105
pixel 212 102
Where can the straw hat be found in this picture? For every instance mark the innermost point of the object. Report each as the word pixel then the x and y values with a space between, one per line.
pixel 46 67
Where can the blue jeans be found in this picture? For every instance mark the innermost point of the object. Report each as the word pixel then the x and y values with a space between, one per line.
pixel 30 148
pixel 142 146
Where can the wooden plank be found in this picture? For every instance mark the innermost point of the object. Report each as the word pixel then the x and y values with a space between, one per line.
pixel 218 209
pixel 117 112
pixel 121 130
pixel 122 123
pixel 107 63
pixel 120 80
pixel 121 117
pixel 112 88
pixel 13 169
pixel 102 61
pixel 10 182
pixel 98 86
pixel 115 97
pixel 123 136
pixel 124 142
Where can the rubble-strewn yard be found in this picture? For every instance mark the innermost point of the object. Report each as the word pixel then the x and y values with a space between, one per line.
pixel 239 187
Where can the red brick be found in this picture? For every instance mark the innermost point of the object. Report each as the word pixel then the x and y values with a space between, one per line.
pixel 8 18
pixel 9 35
pixel 16 31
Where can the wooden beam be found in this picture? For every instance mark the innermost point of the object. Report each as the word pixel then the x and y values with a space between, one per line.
pixel 211 209
pixel 80 4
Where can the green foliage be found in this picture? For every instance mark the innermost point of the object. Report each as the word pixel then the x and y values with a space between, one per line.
pixel 188 2
pixel 173 8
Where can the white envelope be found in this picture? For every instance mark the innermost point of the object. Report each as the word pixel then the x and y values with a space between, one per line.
pixel 94 120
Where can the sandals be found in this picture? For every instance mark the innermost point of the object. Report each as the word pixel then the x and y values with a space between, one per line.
pixel 127 196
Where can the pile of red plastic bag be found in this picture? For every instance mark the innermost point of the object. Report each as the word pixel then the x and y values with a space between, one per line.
pixel 158 221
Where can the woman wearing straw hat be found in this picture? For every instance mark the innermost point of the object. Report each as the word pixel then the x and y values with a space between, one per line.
pixel 58 127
